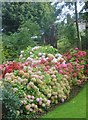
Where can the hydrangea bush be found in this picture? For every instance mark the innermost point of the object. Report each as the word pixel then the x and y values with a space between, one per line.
pixel 41 79
pixel 36 52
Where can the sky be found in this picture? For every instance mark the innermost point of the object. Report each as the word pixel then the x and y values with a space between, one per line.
pixel 66 10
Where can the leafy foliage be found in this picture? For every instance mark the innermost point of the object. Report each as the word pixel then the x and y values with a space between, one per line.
pixel 67 31
pixel 25 24
pixel 15 14
pixel 10 104
pixel 20 40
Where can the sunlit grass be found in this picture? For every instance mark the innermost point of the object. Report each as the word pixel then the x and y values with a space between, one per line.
pixel 76 108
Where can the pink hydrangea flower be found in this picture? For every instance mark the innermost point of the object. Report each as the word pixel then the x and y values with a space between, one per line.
pixel 53 76
pixel 61 71
pixel 76 48
pixel 32 97
pixel 62 100
pixel 64 65
pixel 38 99
pixel 48 101
pixel 28 96
pixel 74 74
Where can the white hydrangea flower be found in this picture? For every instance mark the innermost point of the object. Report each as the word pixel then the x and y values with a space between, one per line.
pixel 58 55
pixel 54 60
pixel 29 59
pixel 15 89
pixel 38 99
pixel 59 58
pixel 40 54
pixel 31 53
pixel 22 51
pixel 43 56
pixel 35 48
pixel 21 55
pixel 48 101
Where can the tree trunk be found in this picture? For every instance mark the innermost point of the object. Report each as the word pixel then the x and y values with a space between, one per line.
pixel 86 7
pixel 53 40
pixel 78 33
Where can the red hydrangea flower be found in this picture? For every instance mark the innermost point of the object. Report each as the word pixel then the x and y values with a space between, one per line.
pixel 11 66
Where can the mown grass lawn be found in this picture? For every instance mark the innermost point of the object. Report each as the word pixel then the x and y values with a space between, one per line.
pixel 75 108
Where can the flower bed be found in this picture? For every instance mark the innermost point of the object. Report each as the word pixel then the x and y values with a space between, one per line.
pixel 43 79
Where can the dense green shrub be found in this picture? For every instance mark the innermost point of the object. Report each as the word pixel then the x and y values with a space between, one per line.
pixel 10 104
pixel 14 43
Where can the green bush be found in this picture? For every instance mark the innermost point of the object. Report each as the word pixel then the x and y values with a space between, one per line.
pixel 14 43
pixel 10 104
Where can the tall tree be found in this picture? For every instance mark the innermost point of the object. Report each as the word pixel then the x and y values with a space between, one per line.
pixel 16 14
pixel 72 6
pixel 77 26
pixel 86 8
